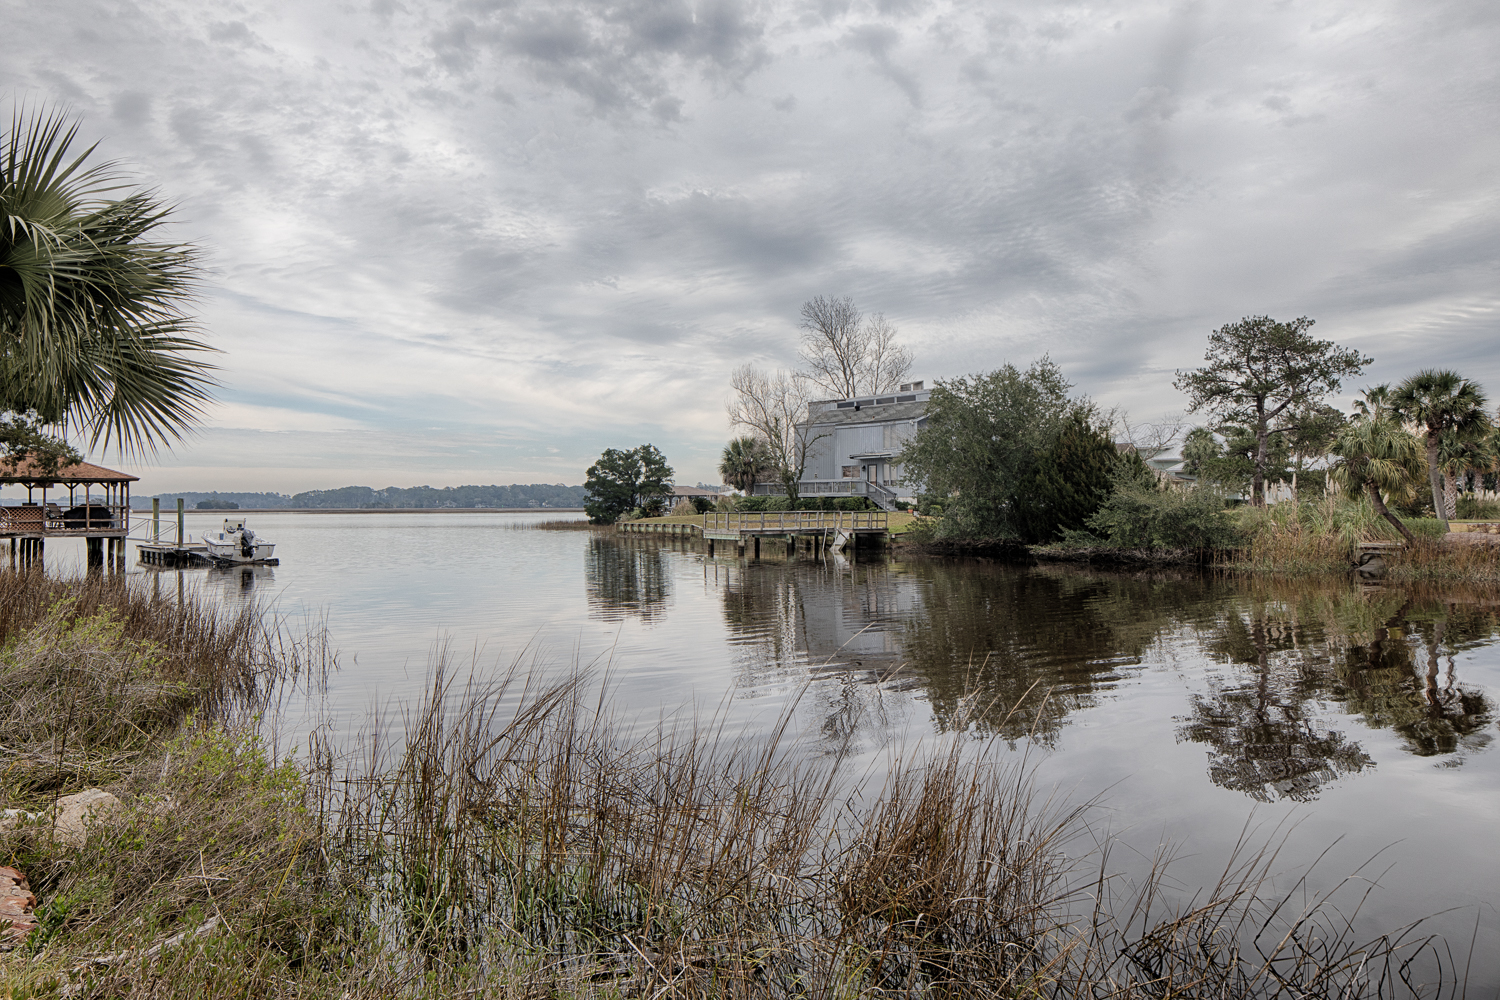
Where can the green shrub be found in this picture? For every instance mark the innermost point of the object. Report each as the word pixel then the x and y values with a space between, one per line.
pixel 1136 516
pixel 751 505
pixel 1473 509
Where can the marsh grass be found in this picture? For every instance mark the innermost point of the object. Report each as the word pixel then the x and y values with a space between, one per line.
pixel 513 839
pixel 1320 536
pixel 582 524
pixel 533 844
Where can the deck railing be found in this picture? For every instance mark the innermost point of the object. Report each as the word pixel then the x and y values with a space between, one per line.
pixel 55 520
pixel 775 521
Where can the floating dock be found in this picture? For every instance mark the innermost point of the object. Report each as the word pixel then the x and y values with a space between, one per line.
pixel 166 554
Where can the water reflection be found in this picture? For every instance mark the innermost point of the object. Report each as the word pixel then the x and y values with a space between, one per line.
pixel 240 582
pixel 626 576
pixel 1295 671
pixel 1406 679
pixel 1262 725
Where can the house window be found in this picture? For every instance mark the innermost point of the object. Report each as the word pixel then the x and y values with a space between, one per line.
pixel 851 472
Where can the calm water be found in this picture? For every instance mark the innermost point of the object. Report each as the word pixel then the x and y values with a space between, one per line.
pixel 1365 717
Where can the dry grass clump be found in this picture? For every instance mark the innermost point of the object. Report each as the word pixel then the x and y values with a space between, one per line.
pixel 1320 536
pixel 533 847
pixel 95 673
pixel 103 684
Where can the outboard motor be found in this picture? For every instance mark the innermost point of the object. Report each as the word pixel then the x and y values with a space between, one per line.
pixel 247 543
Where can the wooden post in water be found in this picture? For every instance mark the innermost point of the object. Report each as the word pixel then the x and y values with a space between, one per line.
pixel 179 522
pixel 156 519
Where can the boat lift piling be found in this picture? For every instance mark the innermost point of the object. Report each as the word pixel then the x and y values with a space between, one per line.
pixel 183 553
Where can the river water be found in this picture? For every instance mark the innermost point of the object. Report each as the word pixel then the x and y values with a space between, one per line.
pixel 1339 714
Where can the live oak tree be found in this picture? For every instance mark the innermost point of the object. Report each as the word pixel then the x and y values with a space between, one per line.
pixel 93 333
pixel 1265 375
pixel 1450 410
pixel 623 480
pixel 982 443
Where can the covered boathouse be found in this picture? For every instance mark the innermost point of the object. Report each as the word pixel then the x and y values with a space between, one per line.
pixel 79 500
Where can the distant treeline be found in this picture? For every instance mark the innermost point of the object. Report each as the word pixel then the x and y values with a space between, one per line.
pixel 534 495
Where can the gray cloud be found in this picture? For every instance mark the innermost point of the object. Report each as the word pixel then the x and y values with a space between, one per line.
pixel 536 221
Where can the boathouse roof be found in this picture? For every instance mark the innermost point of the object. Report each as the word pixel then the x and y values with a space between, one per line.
pixel 28 473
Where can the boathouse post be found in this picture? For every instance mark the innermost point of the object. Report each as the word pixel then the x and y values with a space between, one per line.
pixel 179 522
pixel 156 519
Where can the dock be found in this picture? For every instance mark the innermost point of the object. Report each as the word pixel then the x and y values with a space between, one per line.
pixel 167 554
pixel 816 529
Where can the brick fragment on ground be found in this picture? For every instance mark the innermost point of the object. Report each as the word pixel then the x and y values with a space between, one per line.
pixel 17 909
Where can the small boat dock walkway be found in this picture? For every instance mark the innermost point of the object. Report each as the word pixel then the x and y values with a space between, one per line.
pixel 825 529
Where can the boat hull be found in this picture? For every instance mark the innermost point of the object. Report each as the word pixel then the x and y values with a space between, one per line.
pixel 234 553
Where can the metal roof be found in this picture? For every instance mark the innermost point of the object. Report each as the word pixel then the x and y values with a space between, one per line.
pixel 878 413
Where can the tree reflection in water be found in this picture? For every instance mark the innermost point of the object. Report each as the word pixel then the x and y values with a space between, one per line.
pixel 1310 644
pixel 626 576
pixel 1261 729
pixel 1016 652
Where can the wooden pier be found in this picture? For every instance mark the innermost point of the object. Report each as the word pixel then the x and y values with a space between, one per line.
pixel 819 530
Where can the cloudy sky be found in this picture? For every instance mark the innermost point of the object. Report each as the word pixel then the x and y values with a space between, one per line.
pixel 481 241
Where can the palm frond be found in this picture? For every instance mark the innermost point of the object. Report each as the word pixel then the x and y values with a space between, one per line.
pixel 92 327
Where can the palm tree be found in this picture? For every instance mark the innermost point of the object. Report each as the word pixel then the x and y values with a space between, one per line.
pixel 746 460
pixel 1377 455
pixel 92 332
pixel 1443 403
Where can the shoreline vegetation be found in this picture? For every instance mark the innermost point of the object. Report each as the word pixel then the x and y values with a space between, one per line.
pixel 507 840
pixel 1313 537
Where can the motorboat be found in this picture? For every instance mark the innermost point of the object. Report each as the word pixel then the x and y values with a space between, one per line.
pixel 237 544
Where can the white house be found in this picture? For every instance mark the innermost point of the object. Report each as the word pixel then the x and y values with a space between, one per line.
pixel 855 442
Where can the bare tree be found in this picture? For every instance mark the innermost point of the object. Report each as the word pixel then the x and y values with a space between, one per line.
pixel 847 355
pixel 774 407
pixel 1152 439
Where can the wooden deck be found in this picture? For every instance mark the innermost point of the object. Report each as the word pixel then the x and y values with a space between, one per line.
pixel 818 529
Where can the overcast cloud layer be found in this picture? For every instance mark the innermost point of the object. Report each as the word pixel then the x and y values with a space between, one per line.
pixel 478 242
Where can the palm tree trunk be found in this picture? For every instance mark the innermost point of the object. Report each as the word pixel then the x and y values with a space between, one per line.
pixel 1450 494
pixel 1432 480
pixel 1385 512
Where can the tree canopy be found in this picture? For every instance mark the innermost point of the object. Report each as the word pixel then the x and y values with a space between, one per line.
pixel 622 480
pixel 1377 456
pixel 745 462
pixel 1450 410
pixel 847 354
pixel 982 443
pixel 93 335
pixel 1268 377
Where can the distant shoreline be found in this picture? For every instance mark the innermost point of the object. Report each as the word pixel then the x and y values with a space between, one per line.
pixel 365 510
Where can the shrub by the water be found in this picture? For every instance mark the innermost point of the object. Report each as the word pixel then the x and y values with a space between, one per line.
pixel 1474 509
pixel 1139 515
